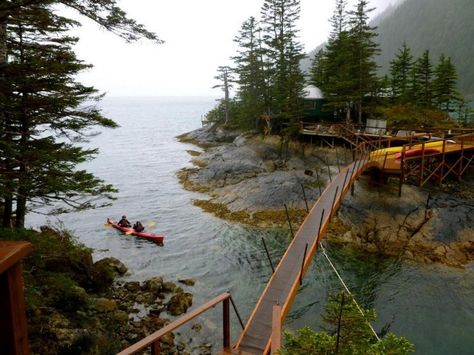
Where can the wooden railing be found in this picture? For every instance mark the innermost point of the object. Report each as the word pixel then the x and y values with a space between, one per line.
pixel 13 332
pixel 153 340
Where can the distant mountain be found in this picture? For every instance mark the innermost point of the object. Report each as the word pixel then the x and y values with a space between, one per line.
pixel 442 26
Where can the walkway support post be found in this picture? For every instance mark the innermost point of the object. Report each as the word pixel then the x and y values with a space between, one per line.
pixel 304 197
pixel 302 263
pixel 319 182
pixel 289 221
pixel 268 255
pixel 226 323
pixel 236 312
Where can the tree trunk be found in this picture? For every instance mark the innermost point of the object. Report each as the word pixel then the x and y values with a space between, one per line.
pixel 20 211
pixel 7 212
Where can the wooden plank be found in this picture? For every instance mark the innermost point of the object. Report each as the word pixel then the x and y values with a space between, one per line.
pixel 276 329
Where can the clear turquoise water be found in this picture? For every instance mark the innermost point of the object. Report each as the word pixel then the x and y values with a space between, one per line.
pixel 433 306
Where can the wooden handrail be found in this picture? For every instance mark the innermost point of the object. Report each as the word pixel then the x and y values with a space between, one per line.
pixel 154 338
pixel 13 327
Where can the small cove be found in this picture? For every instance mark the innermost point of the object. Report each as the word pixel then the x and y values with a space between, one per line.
pixel 433 306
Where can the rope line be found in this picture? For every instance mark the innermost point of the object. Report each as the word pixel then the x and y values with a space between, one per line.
pixel 347 289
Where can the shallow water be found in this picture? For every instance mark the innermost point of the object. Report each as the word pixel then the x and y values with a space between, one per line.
pixel 433 306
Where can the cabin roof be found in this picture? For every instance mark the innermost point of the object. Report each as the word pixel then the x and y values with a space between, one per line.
pixel 312 92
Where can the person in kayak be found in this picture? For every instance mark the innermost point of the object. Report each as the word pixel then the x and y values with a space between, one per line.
pixel 138 227
pixel 124 222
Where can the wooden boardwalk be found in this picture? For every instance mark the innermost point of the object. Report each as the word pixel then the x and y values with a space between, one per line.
pixel 284 283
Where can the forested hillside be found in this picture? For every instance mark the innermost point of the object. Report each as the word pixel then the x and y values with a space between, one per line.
pixel 438 25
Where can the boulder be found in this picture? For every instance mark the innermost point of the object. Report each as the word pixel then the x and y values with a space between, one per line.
pixel 179 303
pixel 113 263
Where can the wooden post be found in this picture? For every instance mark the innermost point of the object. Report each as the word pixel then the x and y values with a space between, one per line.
pixel 402 161
pixel 226 322
pixel 443 162
pixel 289 222
pixel 13 327
pixel 276 329
pixel 422 167
pixel 156 348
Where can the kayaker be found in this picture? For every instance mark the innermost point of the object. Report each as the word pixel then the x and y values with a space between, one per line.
pixel 138 227
pixel 124 222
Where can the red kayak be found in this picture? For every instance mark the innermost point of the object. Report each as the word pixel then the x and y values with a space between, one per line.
pixel 129 230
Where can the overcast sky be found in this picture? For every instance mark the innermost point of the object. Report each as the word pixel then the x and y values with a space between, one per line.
pixel 198 37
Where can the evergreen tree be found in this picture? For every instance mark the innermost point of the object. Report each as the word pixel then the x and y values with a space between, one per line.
pixel 347 332
pixel 250 70
pixel 225 77
pixel 42 107
pixel 364 50
pixel 336 64
pixel 283 53
pixel 444 85
pixel 400 72
pixel 318 76
pixel 421 87
pixel 45 109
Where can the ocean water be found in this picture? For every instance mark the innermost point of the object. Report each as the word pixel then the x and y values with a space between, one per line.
pixel 433 306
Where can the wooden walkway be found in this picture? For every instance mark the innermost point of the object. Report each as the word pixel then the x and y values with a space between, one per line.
pixel 284 283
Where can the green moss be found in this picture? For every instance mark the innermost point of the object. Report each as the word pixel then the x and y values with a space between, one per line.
pixel 279 218
pixel 184 138
pixel 183 177
pixel 257 219
pixel 193 153
pixel 200 163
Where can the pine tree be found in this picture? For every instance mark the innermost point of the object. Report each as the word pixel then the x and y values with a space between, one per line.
pixel 336 66
pixel 364 50
pixel 283 54
pixel 43 109
pixel 444 85
pixel 347 332
pixel 400 72
pixel 421 87
pixel 226 79
pixel 318 75
pixel 250 70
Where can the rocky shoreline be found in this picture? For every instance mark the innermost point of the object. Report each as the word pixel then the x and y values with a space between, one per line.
pixel 77 306
pixel 249 179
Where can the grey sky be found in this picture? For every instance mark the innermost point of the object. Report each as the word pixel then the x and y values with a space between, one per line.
pixel 199 37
